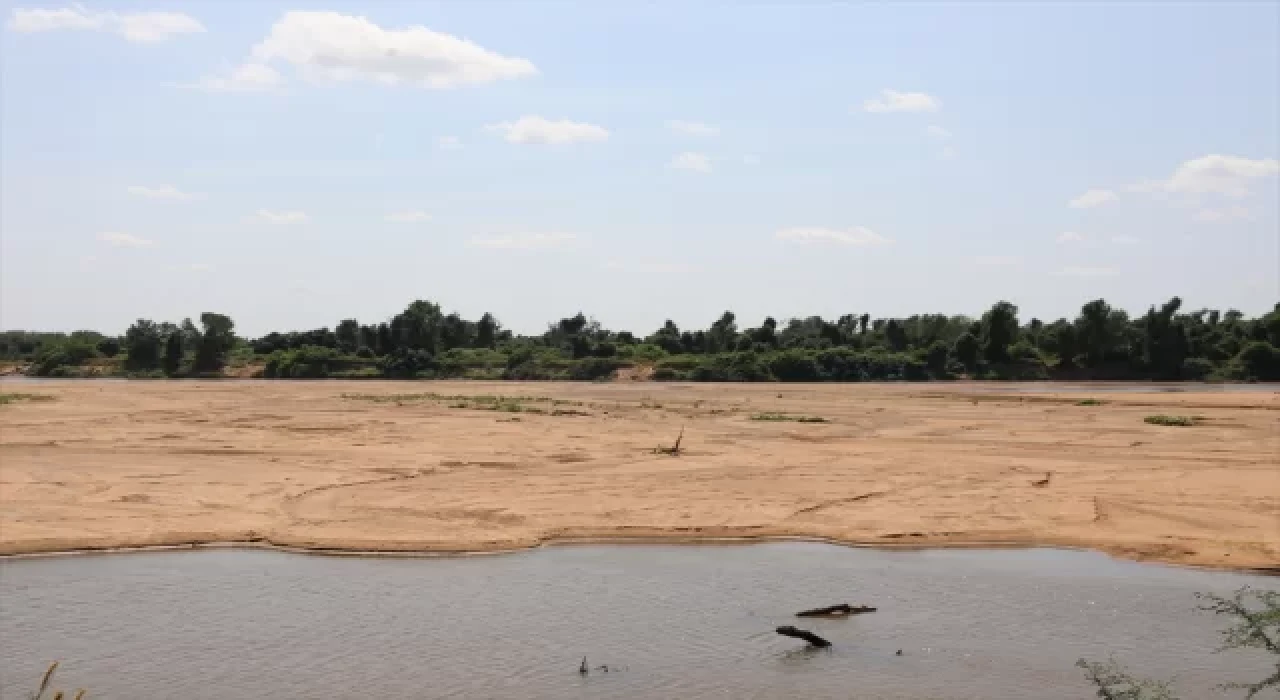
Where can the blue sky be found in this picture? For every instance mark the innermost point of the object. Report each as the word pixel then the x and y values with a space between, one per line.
pixel 293 165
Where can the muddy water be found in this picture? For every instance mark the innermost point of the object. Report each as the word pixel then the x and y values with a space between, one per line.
pixel 669 621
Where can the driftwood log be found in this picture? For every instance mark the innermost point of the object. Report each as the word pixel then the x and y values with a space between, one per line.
pixel 806 635
pixel 840 610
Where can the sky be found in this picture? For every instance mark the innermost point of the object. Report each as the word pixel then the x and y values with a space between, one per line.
pixel 294 165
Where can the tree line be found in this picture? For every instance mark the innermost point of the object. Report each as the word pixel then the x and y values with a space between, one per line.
pixel 1100 342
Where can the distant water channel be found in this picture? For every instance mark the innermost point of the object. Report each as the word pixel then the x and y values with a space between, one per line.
pixel 669 621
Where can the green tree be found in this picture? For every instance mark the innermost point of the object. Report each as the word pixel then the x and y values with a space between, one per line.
pixel 487 331
pixel 214 343
pixel 173 354
pixel 999 331
pixel 142 343
pixel 936 358
pixel 348 335
pixel 1260 361
pixel 966 350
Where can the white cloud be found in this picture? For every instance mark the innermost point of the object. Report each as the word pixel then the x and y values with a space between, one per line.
pixel 858 236
pixel 937 132
pixel 1088 271
pixel 282 217
pixel 1093 198
pixel 1230 176
pixel 750 159
pixel 247 77
pixel 533 129
pixel 138 27
pixel 525 241
pixel 329 46
pixel 1070 237
pixel 160 192
pixel 692 128
pixel 1227 214
pixel 947 153
pixel 407 217
pixel 1123 239
pixel 123 240
pixel 201 267
pixel 448 143
pixel 996 260
pixel 697 162
pixel 894 101
pixel 156 26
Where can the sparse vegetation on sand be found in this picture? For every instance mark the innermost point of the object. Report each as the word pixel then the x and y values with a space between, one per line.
pixel 1180 421
pixel 483 402
pixel 14 398
pixel 1091 402
pixel 787 417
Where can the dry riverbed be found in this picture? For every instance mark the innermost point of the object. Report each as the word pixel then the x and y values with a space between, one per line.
pixel 466 466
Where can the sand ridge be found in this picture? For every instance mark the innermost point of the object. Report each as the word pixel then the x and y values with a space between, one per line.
pixel 430 466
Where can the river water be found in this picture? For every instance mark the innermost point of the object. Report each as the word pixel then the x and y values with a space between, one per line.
pixel 669 621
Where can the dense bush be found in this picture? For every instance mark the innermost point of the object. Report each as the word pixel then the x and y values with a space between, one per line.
pixel 306 362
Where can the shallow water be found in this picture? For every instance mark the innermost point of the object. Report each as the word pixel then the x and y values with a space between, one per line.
pixel 670 621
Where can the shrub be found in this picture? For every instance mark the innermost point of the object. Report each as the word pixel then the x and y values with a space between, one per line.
pixel 594 368
pixel 1182 421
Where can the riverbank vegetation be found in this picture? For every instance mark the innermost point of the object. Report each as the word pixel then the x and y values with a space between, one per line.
pixel 423 342
pixel 1254 623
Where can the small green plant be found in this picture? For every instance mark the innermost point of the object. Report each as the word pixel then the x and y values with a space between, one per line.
pixel 14 398
pixel 1182 421
pixel 1090 402
pixel 786 417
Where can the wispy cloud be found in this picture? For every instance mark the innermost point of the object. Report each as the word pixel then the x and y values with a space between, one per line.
pixel 123 240
pixel 533 129
pixel 1088 271
pixel 895 101
pixel 937 132
pixel 138 27
pixel 525 241
pixel 1124 239
pixel 330 47
pixel 1230 176
pixel 1070 237
pixel 200 267
pixel 1224 214
pixel 751 159
pixel 407 217
pixel 247 77
pixel 689 160
pixel 282 217
pixel 1092 198
pixel 692 128
pixel 856 236
pixel 448 143
pixel 160 192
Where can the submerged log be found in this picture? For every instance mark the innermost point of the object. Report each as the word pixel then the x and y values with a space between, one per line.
pixel 840 610
pixel 806 635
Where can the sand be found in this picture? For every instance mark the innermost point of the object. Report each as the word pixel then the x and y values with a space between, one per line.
pixel 111 464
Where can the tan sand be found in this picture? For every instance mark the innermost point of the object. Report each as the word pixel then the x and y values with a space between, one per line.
pixel 116 464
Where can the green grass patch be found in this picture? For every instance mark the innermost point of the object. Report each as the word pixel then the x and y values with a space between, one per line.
pixel 14 398
pixel 482 402
pixel 1090 402
pixel 1182 421
pixel 787 417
